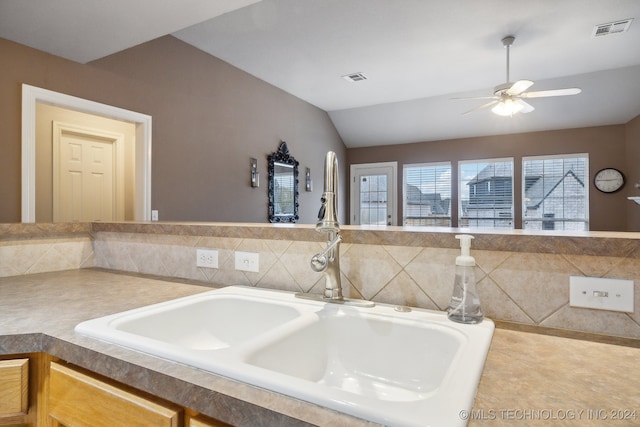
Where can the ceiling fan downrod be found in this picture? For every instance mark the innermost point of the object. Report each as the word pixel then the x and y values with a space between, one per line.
pixel 507 42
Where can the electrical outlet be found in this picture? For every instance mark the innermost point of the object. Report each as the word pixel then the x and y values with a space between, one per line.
pixel 248 261
pixel 601 293
pixel 154 215
pixel 207 258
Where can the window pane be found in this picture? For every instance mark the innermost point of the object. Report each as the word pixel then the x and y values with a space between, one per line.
pixel 373 200
pixel 555 194
pixel 427 194
pixel 486 194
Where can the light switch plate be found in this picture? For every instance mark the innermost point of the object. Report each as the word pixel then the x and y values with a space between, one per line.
pixel 601 293
pixel 248 261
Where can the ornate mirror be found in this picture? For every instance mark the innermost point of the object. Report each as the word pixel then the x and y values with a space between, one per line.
pixel 283 186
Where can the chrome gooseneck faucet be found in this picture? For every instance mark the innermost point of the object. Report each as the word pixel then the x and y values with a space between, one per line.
pixel 328 261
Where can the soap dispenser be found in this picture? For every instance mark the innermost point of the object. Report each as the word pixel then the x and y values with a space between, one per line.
pixel 465 303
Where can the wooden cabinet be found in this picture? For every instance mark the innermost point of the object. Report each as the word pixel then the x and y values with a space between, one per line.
pixel 29 369
pixel 14 387
pixel 38 390
pixel 79 399
pixel 194 420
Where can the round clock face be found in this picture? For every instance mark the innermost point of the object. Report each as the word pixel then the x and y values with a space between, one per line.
pixel 609 180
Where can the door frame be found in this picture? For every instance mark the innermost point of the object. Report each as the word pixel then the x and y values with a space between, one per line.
pixel 392 203
pixel 32 95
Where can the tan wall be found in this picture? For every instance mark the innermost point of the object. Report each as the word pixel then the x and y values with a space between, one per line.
pixel 633 172
pixel 45 115
pixel 605 145
pixel 209 118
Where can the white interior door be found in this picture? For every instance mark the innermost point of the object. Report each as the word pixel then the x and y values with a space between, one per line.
pixel 374 194
pixel 85 169
pixel 32 95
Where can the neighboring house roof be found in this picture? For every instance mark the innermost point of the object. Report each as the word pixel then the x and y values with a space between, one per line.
pixel 538 187
pixel 415 196
pixel 492 171
pixel 537 192
pixel 544 186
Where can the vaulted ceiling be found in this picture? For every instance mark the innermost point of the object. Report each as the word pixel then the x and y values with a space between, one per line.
pixel 416 55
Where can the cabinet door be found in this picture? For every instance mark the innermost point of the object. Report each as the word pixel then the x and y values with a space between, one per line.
pixel 14 387
pixel 78 399
pixel 201 421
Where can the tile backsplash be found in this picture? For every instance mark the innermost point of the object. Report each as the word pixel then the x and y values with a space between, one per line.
pixel 18 257
pixel 522 279
pixel 524 287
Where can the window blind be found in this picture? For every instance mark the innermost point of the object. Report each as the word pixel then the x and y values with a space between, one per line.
pixel 555 193
pixel 427 194
pixel 486 193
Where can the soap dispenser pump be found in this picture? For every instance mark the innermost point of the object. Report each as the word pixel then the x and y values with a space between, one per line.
pixel 465 303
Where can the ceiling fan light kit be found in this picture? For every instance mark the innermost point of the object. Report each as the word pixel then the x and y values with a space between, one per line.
pixel 508 107
pixel 508 97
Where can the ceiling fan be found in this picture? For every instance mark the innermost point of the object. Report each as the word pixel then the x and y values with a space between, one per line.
pixel 508 98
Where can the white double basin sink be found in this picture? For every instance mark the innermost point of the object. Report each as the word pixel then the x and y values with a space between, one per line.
pixel 383 364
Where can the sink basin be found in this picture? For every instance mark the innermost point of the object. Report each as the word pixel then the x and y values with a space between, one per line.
pixel 365 355
pixel 394 367
pixel 201 323
pixel 206 323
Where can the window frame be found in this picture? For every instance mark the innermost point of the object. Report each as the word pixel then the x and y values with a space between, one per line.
pixel 404 192
pixel 499 216
pixel 586 182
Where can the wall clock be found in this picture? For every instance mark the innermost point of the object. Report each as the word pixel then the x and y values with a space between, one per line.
pixel 608 180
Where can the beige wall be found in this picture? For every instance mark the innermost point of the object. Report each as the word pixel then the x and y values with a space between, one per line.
pixel 45 116
pixel 607 146
pixel 209 119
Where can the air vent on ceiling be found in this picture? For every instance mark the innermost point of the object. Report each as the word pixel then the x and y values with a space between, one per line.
pixel 355 77
pixel 612 28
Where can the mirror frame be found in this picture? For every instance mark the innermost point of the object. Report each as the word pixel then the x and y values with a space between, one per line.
pixel 282 156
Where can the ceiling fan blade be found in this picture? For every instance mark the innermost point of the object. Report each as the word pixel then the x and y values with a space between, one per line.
pixel 555 92
pixel 488 104
pixel 526 107
pixel 518 87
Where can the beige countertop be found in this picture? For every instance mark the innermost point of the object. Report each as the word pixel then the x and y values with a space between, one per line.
pixel 529 379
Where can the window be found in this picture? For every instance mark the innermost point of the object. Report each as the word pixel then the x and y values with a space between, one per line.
pixel 555 194
pixel 486 193
pixel 427 194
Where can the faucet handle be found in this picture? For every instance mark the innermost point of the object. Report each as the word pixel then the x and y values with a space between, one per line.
pixel 319 262
pixel 323 208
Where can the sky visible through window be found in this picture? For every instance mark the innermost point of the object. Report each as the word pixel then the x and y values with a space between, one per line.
pixel 431 179
pixel 468 171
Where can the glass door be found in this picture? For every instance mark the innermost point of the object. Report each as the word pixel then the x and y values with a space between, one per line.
pixel 373 194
